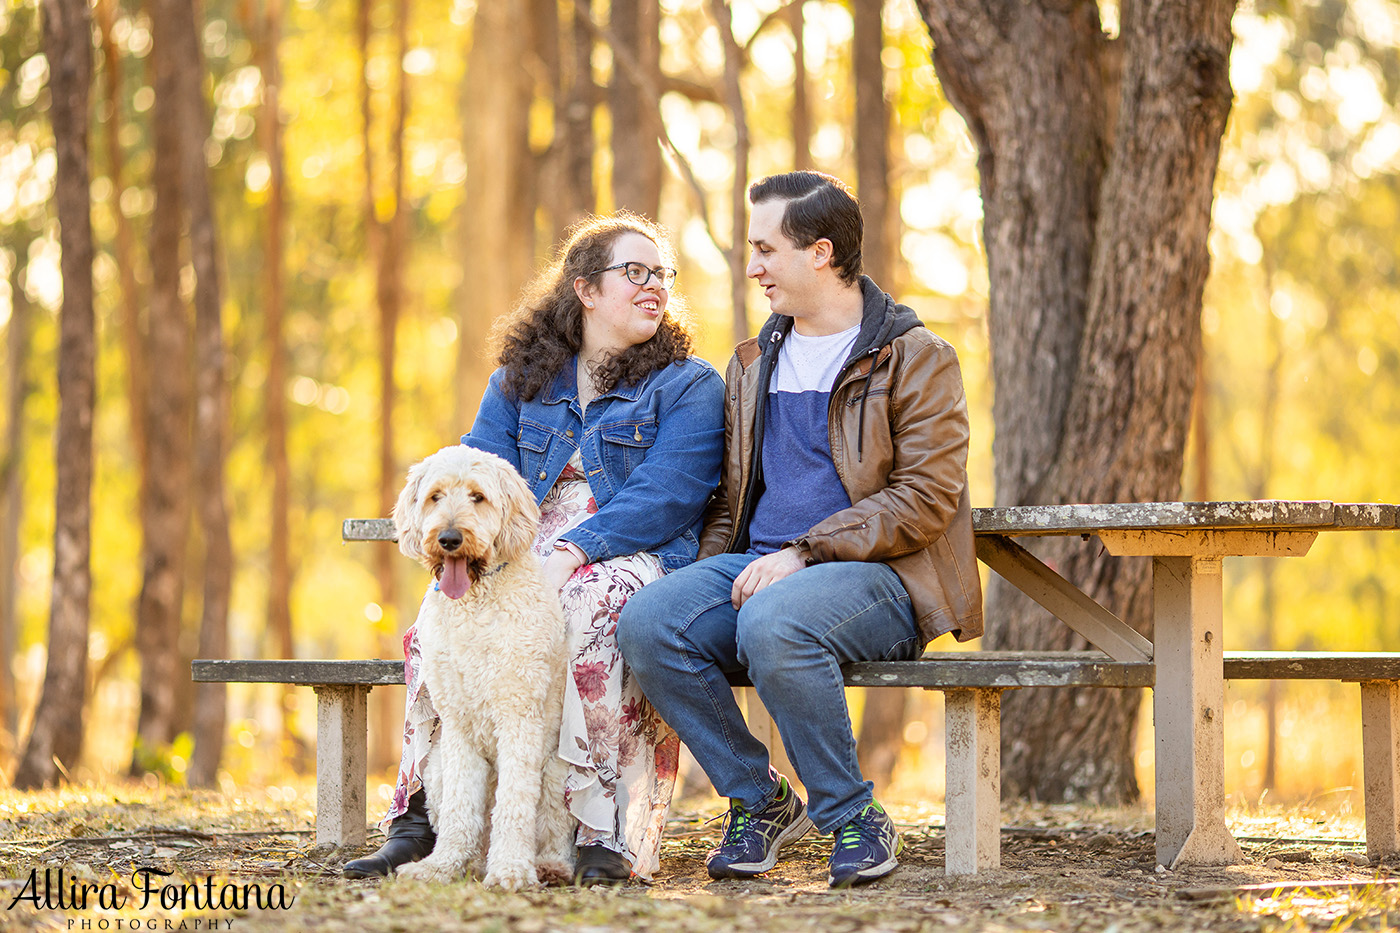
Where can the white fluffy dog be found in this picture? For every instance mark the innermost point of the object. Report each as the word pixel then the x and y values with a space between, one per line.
pixel 492 640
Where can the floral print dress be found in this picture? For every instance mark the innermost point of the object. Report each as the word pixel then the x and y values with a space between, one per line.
pixel 622 757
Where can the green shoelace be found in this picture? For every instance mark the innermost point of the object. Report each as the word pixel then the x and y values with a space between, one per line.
pixel 739 818
pixel 851 833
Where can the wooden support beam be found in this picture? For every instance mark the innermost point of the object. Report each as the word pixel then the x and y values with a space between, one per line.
pixel 1063 599
pixel 1207 543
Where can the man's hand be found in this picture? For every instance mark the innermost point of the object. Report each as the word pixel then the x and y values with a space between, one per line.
pixel 768 569
pixel 559 566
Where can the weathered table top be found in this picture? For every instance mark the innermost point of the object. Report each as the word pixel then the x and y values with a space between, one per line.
pixel 1256 515
pixel 1026 520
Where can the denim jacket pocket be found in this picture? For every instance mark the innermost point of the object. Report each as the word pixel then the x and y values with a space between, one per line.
pixel 533 442
pixel 629 442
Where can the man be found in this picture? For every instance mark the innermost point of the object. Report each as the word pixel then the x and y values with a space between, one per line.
pixel 841 531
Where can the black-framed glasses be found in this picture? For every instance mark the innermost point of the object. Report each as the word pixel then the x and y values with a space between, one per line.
pixel 639 274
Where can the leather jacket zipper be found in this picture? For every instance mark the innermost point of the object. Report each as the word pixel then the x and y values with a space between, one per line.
pixel 766 364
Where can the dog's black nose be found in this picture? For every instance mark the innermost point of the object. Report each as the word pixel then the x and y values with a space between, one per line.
pixel 450 539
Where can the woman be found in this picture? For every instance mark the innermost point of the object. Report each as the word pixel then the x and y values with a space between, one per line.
pixel 619 432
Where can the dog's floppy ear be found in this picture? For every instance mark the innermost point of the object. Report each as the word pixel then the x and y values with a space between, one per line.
pixel 522 515
pixel 407 513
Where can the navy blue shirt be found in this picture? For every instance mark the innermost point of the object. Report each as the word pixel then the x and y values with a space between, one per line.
pixel 801 485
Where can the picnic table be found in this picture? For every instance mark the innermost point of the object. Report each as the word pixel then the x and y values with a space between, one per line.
pixel 1184 663
pixel 1187 542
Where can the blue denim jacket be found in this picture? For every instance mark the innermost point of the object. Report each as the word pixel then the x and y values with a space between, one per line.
pixel 651 452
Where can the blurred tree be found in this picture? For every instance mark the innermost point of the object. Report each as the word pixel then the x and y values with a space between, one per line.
pixel 210 700
pixel 386 219
pixel 574 118
pixel 1268 603
pixel 20 42
pixel 165 519
pixel 497 236
pixel 133 335
pixel 736 250
pixel 266 27
pixel 1097 189
pixel 547 42
pixel 801 107
pixel 636 174
pixel 17 390
pixel 56 736
pixel 882 717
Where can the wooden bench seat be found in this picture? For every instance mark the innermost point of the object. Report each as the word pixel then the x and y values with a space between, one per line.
pixel 972 683
pixel 1378 675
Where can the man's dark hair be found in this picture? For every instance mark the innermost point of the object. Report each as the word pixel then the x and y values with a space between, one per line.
pixel 818 207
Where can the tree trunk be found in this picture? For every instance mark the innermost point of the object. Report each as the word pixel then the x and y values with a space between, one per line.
pixel 389 294
pixel 547 55
pixel 166 515
pixel 801 108
pixel 387 246
pixel 1259 488
pixel 133 337
pixel 574 129
pixel 636 126
pixel 1097 205
pixel 737 248
pixel 1200 432
pixel 18 342
pixel 882 722
pixel 55 740
pixel 496 141
pixel 210 700
pixel 872 143
pixel 280 570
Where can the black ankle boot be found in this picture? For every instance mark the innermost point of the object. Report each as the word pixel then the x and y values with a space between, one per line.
pixel 410 838
pixel 597 864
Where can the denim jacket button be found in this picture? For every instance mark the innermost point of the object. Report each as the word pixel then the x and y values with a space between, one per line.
pixel 638 434
pixel 569 433
pixel 543 474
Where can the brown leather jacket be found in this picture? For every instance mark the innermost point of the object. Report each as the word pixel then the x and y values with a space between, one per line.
pixel 898 429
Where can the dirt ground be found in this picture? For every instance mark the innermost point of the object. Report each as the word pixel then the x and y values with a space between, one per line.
pixel 1063 868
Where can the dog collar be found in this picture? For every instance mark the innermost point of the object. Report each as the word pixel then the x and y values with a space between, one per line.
pixel 437 584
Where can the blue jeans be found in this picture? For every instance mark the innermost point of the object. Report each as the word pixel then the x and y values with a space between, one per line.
pixel 681 634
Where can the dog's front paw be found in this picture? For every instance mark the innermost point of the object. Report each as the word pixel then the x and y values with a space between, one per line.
pixel 511 877
pixel 555 872
pixel 432 869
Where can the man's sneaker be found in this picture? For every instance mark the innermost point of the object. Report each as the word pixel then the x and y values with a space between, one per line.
pixel 752 838
pixel 865 848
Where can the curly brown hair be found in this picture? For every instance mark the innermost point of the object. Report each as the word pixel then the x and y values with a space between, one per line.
pixel 545 331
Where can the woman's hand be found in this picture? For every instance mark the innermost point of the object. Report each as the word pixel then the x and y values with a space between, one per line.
pixel 559 566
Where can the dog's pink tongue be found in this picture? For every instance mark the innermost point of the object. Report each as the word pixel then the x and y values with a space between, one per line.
pixel 454 582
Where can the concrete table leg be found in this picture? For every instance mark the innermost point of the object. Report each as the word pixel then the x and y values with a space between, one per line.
pixel 972 807
pixel 341 740
pixel 1188 714
pixel 1380 743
